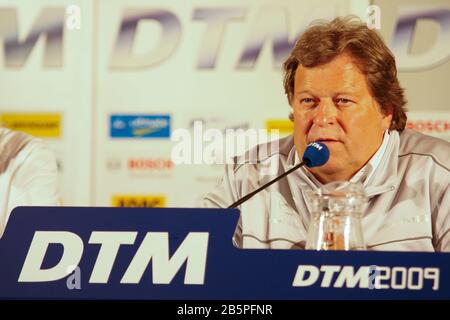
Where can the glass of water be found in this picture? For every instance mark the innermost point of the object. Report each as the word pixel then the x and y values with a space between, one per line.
pixel 337 209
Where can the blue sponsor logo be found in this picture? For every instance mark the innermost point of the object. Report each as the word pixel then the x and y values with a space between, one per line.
pixel 140 126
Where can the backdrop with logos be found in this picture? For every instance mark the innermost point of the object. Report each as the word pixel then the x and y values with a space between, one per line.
pixel 114 85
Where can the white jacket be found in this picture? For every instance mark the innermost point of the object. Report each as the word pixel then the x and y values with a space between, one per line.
pixel 409 198
pixel 28 174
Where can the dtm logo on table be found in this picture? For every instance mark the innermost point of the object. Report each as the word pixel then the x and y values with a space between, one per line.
pixel 140 126
pixel 153 249
pixel 192 252
pixel 367 277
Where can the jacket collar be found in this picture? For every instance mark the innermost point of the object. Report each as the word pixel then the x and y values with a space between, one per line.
pixel 382 180
pixel 385 176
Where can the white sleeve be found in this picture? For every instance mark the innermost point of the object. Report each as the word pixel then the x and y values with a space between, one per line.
pixel 225 193
pixel 222 196
pixel 36 178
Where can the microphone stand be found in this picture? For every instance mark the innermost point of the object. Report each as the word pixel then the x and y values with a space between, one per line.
pixel 248 196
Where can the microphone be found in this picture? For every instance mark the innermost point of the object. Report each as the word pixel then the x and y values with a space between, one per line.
pixel 316 154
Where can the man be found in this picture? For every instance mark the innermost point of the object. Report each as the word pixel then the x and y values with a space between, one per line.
pixel 341 83
pixel 28 174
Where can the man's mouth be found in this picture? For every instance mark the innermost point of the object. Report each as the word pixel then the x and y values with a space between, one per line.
pixel 325 140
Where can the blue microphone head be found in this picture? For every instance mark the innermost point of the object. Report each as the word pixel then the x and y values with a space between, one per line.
pixel 316 154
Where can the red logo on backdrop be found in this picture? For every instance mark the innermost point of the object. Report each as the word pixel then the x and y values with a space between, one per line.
pixel 150 164
pixel 430 126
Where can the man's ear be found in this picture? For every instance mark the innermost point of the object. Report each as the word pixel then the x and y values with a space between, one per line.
pixel 386 120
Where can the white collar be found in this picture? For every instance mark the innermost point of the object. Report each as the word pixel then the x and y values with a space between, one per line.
pixel 365 173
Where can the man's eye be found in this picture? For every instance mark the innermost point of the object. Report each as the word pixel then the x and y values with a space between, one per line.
pixel 307 100
pixel 343 101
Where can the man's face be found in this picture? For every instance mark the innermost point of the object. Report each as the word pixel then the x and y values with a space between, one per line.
pixel 332 104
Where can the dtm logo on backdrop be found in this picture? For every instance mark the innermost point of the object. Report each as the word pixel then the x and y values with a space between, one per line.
pixel 402 41
pixel 43 125
pixel 49 23
pixel 270 25
pixel 140 126
pixel 139 201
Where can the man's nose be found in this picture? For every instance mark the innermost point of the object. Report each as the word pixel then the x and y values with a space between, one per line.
pixel 325 113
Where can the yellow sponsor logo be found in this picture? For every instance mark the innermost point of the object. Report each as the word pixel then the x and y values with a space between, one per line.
pixel 284 126
pixel 144 131
pixel 44 125
pixel 139 201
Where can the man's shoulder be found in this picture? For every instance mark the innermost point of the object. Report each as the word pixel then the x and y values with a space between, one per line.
pixel 413 143
pixel 18 147
pixel 264 152
pixel 13 144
